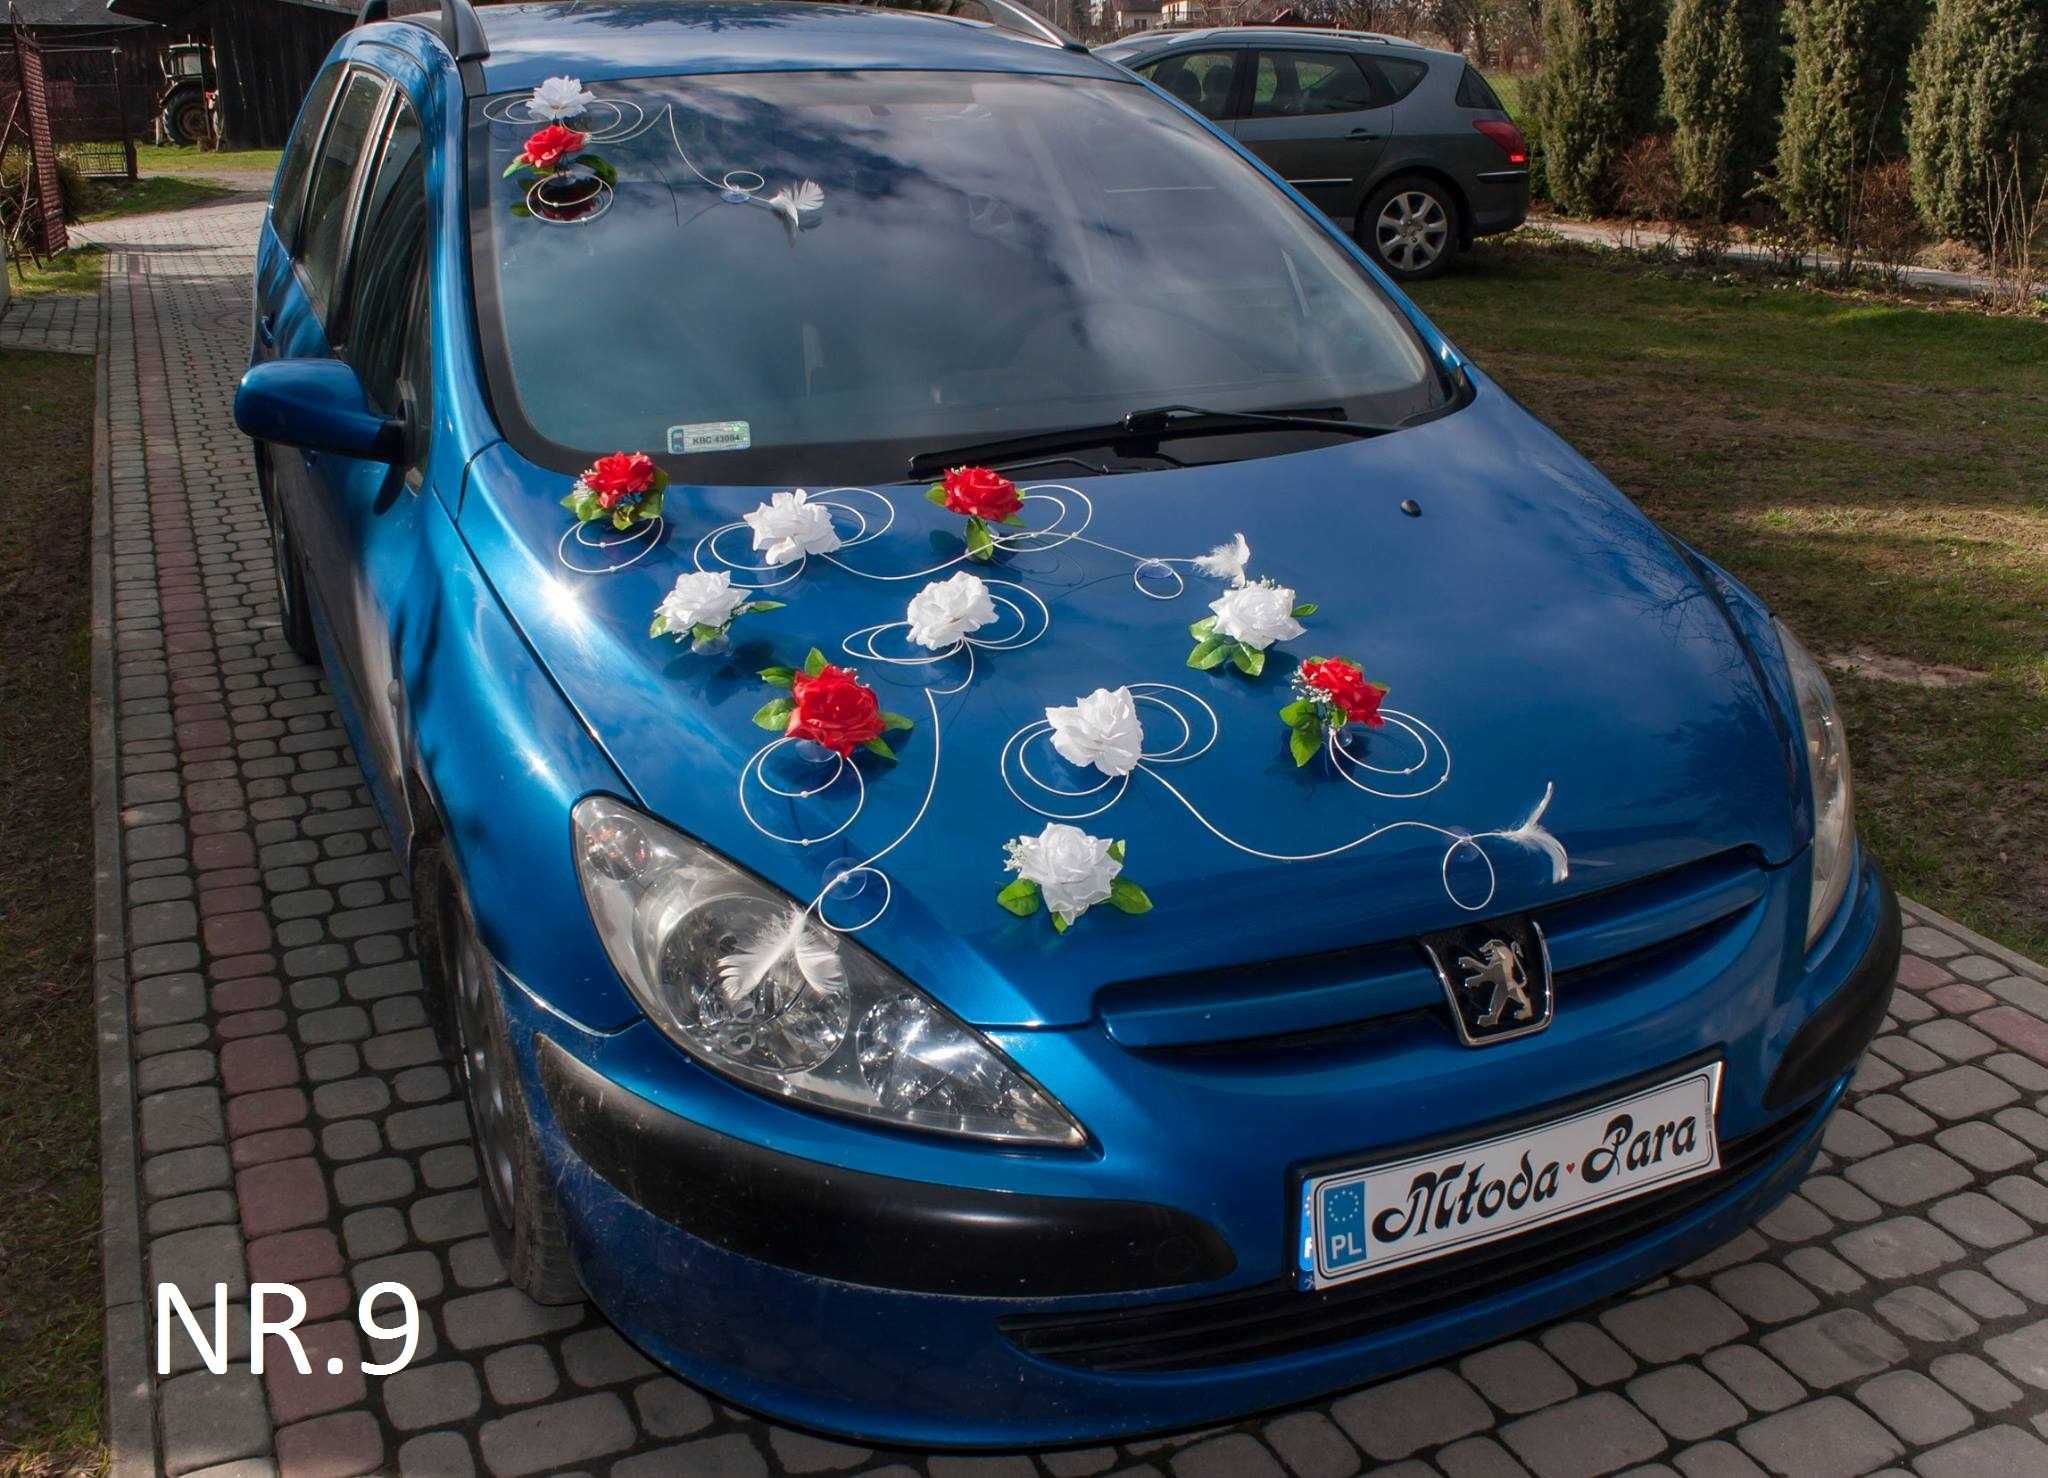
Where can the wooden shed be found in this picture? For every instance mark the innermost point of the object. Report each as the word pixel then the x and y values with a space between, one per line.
pixel 265 53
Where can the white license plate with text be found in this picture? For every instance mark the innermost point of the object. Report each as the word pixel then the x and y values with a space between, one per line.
pixel 1355 1223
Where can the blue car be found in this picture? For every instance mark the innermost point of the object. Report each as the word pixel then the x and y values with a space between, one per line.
pixel 1035 812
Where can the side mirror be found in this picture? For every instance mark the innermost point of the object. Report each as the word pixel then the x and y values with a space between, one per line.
pixel 319 405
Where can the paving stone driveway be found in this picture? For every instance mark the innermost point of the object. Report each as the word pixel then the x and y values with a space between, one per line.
pixel 293 1120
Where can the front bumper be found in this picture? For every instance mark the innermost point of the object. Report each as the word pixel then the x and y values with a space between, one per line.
pixel 904 1310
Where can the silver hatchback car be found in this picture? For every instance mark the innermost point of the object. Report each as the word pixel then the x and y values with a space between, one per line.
pixel 1407 146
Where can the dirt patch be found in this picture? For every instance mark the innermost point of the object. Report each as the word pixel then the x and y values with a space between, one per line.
pixel 49 1162
pixel 1862 662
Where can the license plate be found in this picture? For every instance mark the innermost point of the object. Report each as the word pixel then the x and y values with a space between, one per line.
pixel 1358 1222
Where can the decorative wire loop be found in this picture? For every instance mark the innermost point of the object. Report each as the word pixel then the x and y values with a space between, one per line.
pixel 646 534
pixel 756 771
pixel 1432 749
pixel 837 888
pixel 545 211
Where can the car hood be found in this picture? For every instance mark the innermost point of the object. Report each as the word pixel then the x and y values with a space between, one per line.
pixel 1528 614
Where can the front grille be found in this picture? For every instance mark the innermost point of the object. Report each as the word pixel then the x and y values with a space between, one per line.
pixel 1277 1318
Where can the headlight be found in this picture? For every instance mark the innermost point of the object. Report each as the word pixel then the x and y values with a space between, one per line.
pixel 1827 768
pixel 743 980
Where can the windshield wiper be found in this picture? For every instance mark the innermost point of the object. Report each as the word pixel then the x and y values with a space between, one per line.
pixel 1151 426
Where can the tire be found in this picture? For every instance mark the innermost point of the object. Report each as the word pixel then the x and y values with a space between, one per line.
pixel 519 1202
pixel 1410 225
pixel 293 616
pixel 184 118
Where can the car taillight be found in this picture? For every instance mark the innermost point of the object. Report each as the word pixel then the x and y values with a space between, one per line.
pixel 1506 137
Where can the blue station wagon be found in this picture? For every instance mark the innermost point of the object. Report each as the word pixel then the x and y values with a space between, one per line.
pixel 1035 811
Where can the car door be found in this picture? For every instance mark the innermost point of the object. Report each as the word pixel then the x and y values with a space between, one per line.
pixel 358 527
pixel 1207 80
pixel 1320 120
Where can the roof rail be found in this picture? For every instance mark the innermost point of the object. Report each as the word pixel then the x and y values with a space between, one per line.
pixel 459 29
pixel 1004 15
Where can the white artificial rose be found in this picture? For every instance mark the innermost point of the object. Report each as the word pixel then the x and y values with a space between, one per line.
pixel 1101 729
pixel 789 526
pixel 1257 615
pixel 946 610
pixel 1073 870
pixel 1227 561
pixel 701 600
pixel 558 98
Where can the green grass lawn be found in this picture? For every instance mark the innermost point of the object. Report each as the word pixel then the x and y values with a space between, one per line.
pixel 155 159
pixel 73 271
pixel 1877 471
pixel 106 199
pixel 49 1144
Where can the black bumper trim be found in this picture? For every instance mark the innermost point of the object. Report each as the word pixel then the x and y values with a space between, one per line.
pixel 906 1235
pixel 1834 1038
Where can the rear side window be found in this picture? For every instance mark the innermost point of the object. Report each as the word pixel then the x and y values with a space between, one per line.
pixel 1402 74
pixel 1475 92
pixel 387 259
pixel 1204 80
pixel 1300 84
pixel 327 199
pixel 288 198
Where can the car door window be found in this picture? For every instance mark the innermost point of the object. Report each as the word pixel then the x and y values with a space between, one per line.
pixel 1300 84
pixel 389 245
pixel 328 197
pixel 1204 80
pixel 288 197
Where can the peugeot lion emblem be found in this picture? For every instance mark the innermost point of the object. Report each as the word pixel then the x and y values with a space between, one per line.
pixel 1497 978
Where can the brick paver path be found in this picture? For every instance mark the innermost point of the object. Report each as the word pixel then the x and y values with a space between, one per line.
pixel 294 1121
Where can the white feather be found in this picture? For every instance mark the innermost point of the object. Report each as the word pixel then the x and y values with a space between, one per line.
pixel 810 197
pixel 1533 833
pixel 790 938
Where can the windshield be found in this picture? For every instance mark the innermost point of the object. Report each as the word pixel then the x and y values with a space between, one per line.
pixel 812 277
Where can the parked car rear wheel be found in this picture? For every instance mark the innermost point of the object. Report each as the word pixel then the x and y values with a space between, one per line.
pixel 526 1223
pixel 1410 225
pixel 292 614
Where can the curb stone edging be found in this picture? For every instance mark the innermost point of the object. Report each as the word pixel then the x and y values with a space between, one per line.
pixel 2018 963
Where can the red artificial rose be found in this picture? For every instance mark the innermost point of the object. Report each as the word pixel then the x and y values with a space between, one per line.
pixel 1343 684
pixel 619 477
pixel 834 708
pixel 980 493
pixel 544 150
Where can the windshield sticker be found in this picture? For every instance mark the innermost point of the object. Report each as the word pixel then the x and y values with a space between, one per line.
pixel 710 436
pixel 568 186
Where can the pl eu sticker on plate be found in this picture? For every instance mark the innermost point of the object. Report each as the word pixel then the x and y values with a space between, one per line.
pixel 1358 1222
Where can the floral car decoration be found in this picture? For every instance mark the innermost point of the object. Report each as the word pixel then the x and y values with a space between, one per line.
pixel 1248 619
pixel 983 497
pixel 622 489
pixel 555 150
pixel 830 707
pixel 1069 872
pixel 1332 693
pixel 703 607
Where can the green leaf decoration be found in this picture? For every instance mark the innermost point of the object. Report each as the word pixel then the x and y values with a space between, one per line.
pixel 521 211
pixel 814 662
pixel 1248 662
pixel 774 714
pixel 650 504
pixel 1116 849
pixel 512 169
pixel 936 493
pixel 1203 629
pixel 762 605
pixel 1015 520
pixel 1059 925
pixel 1300 711
pixel 1126 896
pixel 1213 651
pixel 705 631
pixel 1338 717
pixel 1303 611
pixel 1020 898
pixel 778 677
pixel 1303 744
pixel 658 626
pixel 981 544
pixel 895 722
pixel 622 518
pixel 880 747
pixel 598 165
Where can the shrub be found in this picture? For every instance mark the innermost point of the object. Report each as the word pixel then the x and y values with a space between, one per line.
pixel 1844 103
pixel 1979 100
pixel 1723 61
pixel 1888 231
pixel 1598 94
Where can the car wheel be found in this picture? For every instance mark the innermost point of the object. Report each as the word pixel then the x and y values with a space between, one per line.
pixel 292 614
pixel 525 1222
pixel 1410 226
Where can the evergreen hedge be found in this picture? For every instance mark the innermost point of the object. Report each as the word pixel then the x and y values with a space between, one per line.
pixel 1599 93
pixel 1980 91
pixel 1844 103
pixel 1723 66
